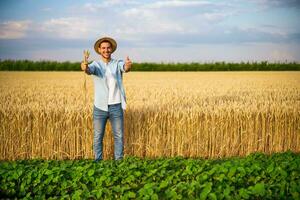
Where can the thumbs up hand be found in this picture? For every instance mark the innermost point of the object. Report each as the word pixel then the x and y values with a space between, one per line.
pixel 128 64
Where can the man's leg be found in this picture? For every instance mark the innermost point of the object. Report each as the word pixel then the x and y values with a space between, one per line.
pixel 117 122
pixel 100 119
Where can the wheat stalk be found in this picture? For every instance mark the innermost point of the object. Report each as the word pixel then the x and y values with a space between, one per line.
pixel 86 55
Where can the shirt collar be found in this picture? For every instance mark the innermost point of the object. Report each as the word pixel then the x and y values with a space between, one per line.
pixel 102 62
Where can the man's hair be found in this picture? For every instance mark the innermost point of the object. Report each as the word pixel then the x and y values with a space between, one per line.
pixel 105 41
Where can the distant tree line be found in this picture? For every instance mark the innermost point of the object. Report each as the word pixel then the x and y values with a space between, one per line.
pixel 28 65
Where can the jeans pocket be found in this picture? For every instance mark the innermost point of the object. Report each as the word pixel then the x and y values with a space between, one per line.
pixel 97 113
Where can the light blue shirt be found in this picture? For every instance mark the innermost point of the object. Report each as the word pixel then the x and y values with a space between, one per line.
pixel 98 69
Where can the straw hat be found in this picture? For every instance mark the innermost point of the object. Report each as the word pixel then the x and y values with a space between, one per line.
pixel 105 39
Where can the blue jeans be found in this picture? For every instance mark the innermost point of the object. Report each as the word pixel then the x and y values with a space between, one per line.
pixel 115 116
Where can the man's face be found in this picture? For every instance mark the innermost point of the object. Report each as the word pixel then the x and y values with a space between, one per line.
pixel 105 49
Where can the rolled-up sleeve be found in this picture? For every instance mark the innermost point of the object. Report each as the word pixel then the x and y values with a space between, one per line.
pixel 93 69
pixel 121 65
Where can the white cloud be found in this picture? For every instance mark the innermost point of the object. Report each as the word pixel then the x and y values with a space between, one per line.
pixel 108 4
pixel 181 17
pixel 14 29
pixel 177 3
pixel 216 16
pixel 268 29
pixel 133 19
pixel 163 17
pixel 92 7
pixel 149 22
pixel 69 28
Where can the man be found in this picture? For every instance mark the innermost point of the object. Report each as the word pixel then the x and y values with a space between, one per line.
pixel 110 99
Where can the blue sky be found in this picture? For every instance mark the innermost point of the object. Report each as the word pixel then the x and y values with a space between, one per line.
pixel 152 30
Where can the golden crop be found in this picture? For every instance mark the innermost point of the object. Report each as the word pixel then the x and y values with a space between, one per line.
pixel 195 114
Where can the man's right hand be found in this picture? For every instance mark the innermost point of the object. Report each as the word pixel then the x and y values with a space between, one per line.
pixel 84 66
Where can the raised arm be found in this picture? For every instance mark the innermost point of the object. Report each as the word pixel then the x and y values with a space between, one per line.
pixel 92 68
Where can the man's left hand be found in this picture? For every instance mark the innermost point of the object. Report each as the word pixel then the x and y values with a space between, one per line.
pixel 128 64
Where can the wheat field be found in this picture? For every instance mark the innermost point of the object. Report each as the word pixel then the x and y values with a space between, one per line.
pixel 193 114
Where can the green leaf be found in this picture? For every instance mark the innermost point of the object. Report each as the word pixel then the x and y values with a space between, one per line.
pixel 91 172
pixel 203 177
pixel 15 176
pixel 154 197
pixel 22 188
pixel 232 171
pixel 117 188
pixel 212 171
pixel 131 194
pixel 226 192
pixel 137 173
pixel 64 184
pixel 212 196
pixel 171 194
pixel 130 178
pixel 77 195
pixel 244 193
pixel 163 184
pixel 132 166
pixel 270 168
pixel 259 189
pixel 48 172
pixel 98 193
pixel 206 190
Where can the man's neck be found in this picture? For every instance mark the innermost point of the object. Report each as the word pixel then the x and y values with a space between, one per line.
pixel 106 60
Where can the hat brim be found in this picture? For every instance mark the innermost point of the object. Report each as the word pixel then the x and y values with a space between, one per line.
pixel 105 39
